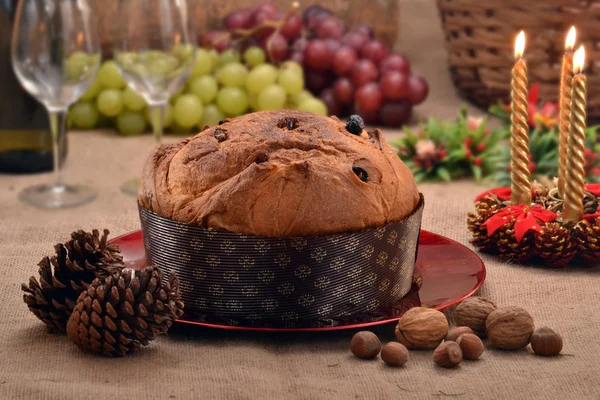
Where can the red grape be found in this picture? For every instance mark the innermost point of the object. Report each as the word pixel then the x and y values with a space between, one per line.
pixel 394 85
pixel 364 71
pixel 300 44
pixel 344 91
pixel 218 40
pixel 395 113
pixel 354 40
pixel 292 27
pixel 395 62
pixel 343 60
pixel 297 56
pixel 317 80
pixel 241 19
pixel 333 45
pixel 417 89
pixel 369 97
pixel 317 55
pixel 313 15
pixel 276 47
pixel 333 106
pixel 261 17
pixel 364 30
pixel 268 8
pixel 330 27
pixel 375 50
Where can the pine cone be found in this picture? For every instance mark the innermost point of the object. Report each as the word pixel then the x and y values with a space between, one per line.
pixel 129 308
pixel 485 209
pixel 587 236
pixel 65 275
pixel 509 248
pixel 555 245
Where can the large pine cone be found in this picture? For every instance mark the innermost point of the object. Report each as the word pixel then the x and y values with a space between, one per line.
pixel 65 275
pixel 555 245
pixel 484 209
pixel 129 308
pixel 587 236
pixel 509 248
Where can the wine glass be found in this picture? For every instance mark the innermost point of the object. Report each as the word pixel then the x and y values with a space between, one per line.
pixel 55 54
pixel 155 50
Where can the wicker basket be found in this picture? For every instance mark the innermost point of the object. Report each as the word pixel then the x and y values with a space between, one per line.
pixel 480 36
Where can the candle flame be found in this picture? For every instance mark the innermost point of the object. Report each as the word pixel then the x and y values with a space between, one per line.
pixel 520 45
pixel 570 42
pixel 578 60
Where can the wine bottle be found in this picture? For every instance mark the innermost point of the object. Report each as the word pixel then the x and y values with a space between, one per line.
pixel 25 138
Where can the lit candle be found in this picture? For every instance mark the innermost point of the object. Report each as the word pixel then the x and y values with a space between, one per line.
pixel 519 129
pixel 566 76
pixel 573 205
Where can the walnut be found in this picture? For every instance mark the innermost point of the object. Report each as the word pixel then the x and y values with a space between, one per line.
pixel 422 328
pixel 509 328
pixel 473 312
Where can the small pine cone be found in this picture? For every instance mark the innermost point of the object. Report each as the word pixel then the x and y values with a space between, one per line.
pixel 509 248
pixel 66 274
pixel 484 210
pixel 587 237
pixel 555 245
pixel 129 308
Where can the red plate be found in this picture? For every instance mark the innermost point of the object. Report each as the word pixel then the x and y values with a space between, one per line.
pixel 450 273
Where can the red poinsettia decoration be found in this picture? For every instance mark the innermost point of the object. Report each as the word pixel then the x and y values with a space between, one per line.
pixel 526 219
pixel 546 115
pixel 502 193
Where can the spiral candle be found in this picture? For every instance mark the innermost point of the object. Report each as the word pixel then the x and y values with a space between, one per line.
pixel 519 129
pixel 573 205
pixel 566 86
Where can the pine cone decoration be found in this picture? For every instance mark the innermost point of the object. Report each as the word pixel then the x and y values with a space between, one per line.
pixel 508 246
pixel 555 245
pixel 587 236
pixel 68 273
pixel 129 308
pixel 484 210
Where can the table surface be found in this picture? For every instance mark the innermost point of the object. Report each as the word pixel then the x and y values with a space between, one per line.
pixel 194 362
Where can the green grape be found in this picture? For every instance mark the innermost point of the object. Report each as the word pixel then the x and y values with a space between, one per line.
pixel 109 76
pixel 229 55
pixel 167 117
pixel 260 77
pixel 314 106
pixel 212 116
pixel 131 123
pixel 272 97
pixel 92 91
pixel 301 96
pixel 292 65
pixel 204 63
pixel 214 57
pixel 77 65
pixel 232 101
pixel 291 81
pixel 187 110
pixel 204 87
pixel 253 100
pixel 163 65
pixel 110 102
pixel 84 114
pixel 183 51
pixel 254 56
pixel 233 74
pixel 132 100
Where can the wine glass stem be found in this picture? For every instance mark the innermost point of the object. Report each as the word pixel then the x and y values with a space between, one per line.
pixel 58 123
pixel 158 116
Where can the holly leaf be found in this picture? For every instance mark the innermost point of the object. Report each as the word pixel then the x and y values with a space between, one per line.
pixel 444 174
pixel 477 172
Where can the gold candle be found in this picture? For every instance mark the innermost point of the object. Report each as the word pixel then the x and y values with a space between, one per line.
pixel 519 129
pixel 566 76
pixel 573 205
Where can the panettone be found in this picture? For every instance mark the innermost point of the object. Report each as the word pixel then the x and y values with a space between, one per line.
pixel 279 174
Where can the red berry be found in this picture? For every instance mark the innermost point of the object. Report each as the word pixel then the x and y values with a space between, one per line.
pixel 442 154
pixel 481 147
pixel 587 152
pixel 477 161
pixel 532 166
pixel 468 141
pixel 596 171
pixel 468 154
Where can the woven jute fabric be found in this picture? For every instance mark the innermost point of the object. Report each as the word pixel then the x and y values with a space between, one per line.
pixel 196 363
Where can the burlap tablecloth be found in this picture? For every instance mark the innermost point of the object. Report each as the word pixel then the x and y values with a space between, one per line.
pixel 194 363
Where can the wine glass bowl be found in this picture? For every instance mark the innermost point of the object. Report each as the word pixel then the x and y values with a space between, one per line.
pixel 55 54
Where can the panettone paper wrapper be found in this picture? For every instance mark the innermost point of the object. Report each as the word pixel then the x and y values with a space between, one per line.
pixel 247 280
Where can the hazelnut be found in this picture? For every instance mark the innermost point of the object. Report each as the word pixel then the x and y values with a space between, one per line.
pixel 422 328
pixel 473 312
pixel 545 342
pixel 456 332
pixel 365 344
pixel 471 346
pixel 394 354
pixel 509 328
pixel 448 355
